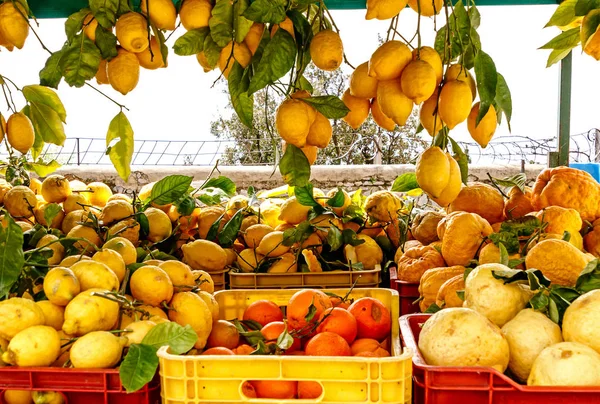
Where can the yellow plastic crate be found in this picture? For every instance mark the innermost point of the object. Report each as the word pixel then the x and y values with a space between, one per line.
pixel 219 279
pixel 321 280
pixel 345 380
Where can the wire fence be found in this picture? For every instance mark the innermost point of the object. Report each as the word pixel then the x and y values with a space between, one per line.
pixel 584 147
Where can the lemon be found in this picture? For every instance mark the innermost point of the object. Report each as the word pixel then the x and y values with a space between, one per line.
pixel 58 251
pixel 188 308
pixel 61 286
pixel 393 102
pixel 212 304
pixel 195 13
pixel 124 247
pixel 339 211
pixel 97 350
pixel 320 132
pixel 89 27
pixel 19 130
pixel 270 209
pixel 590 43
pixel 452 189
pixel 248 260
pixel 25 226
pixel 205 255
pixel 204 281
pixel 128 229
pixel 132 32
pixel 71 259
pixel 101 74
pixel 254 36
pixel 115 210
pixel 227 58
pixel 272 245
pixel 361 84
pixel 77 185
pixel 388 61
pixel 160 225
pixel 112 260
pixel 236 203
pixel 433 171
pixel 293 212
pixel 35 346
pixel 17 396
pixel 54 314
pixel 180 274
pixel 20 201
pixel 483 132
pixel 368 253
pixel 73 219
pixel 207 217
pixel 380 118
pixel 327 50
pixel 311 261
pixel 455 103
pixel 309 151
pixel 40 211
pixel 287 25
pixel 383 206
pixel 151 285
pixel 4 188
pixel 17 314
pixel 90 241
pixel 123 71
pixel 384 9
pixel 151 58
pixel 75 201
pixel 293 121
pixel 4 42
pixel 286 263
pixel 35 185
pixel 13 23
pixel 203 61
pixel 359 109
pixel 426 8
pixel 162 13
pixel 431 56
pixel 56 188
pixel 100 192
pixel 459 72
pixel 255 233
pixel 429 117
pixel 418 81
pixel 95 275
pixel 119 197
pixel 136 331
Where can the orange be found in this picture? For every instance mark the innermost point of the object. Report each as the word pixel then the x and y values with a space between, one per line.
pixel 309 390
pixel 379 353
pixel 273 330
pixel 327 344
pixel 298 307
pixel 263 312
pixel 218 351
pixel 364 345
pixel 281 389
pixel 372 318
pixel 243 349
pixel 223 334
pixel 248 390
pixel 340 322
pixel 338 302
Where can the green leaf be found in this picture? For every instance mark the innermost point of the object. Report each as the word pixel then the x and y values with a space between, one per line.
pixel 212 51
pixel 241 24
pixel 334 238
pixel 337 200
pixel 349 236
pixel 304 84
pixel 589 27
pixel 125 8
pixel 51 74
pixel 312 311
pixel 211 196
pixel 138 367
pixel 589 278
pixel 285 340
pixel 267 11
pixel 179 339
pixel 105 11
pixel 553 311
pixel 46 96
pixel 517 180
pixel 329 105
pixel 405 182
pixel 243 104
pixel 221 22
pixel 539 301
pixel 294 167
pixel 462 159
pixel 192 42
pixel 119 143
pixel 164 50
pixel 223 183
pixel 230 231
pixel 503 254
pixel 487 79
pixel 474 16
pixel 563 15
pixel 583 7
pixel 186 205
pixel 47 123
pixel 460 294
pixel 503 98
pixel 106 41
pixel 565 40
pixel 51 211
pixel 43 169
pixel 74 23
pixel 514 262
pixel 433 308
pixel 510 275
pixel 304 195
pixel 557 55
pixel 211 235
pixel 536 279
pixel 522 226
pixel 80 61
pixel 277 59
pixel 11 255
pixel 170 189
pixel 462 22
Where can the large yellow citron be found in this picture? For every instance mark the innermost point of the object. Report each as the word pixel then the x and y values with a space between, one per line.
pixel 293 121
pixel 13 23
pixel 418 80
pixel 359 109
pixel 361 84
pixel 431 56
pixel 19 132
pixel 380 118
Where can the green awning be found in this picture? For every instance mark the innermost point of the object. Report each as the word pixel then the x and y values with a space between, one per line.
pixel 63 8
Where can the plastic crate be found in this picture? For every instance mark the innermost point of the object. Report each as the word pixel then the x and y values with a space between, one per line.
pixel 478 385
pixel 219 279
pixel 591 168
pixel 320 280
pixel 79 386
pixel 408 292
pixel 219 379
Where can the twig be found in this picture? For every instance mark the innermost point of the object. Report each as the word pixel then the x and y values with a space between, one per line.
pixel 101 92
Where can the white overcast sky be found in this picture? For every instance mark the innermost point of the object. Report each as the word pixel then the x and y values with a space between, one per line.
pixel 178 103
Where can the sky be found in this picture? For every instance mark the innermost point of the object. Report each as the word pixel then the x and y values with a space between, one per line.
pixel 178 103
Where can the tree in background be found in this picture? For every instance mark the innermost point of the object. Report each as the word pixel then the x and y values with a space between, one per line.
pixel 259 145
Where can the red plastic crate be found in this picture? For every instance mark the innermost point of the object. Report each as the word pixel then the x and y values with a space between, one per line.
pixel 79 386
pixel 478 385
pixel 408 291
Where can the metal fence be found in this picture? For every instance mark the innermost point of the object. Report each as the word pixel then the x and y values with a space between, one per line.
pixel 585 147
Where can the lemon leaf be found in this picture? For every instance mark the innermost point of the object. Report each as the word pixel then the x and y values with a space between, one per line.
pixel 585 6
pixel 304 195
pixel 46 96
pixel 221 182
pixel 557 55
pixel 337 200
pixel 119 142
pixel 50 212
pixel 231 229
pixel 170 189
pixel 267 11
pixel 105 11
pixel 334 238
pixel 221 22
pixel 212 51
pixel 242 102
pixel 462 159
pixel 11 254
pixel 47 123
pixel 192 42
pixel 563 15
pixel 241 24
pixel 106 41
pixel 51 74
pixel 164 50
pixel 565 40
pixel 179 339
pixel 487 79
pixel 330 106
pixel 405 182
pixel 503 98
pixel 74 23
pixel 138 367
pixel 277 59
pixel 589 279
pixel 43 169
pixel 80 61
pixel 294 167
pixel 589 27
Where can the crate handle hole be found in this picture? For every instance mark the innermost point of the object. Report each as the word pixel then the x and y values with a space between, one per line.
pixel 279 389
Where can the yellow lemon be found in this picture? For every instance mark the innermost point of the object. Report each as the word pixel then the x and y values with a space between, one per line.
pixel 458 72
pixel 429 117
pixel 136 331
pixel 203 61
pixel 123 71
pixel 35 185
pixel 90 241
pixel 483 132
pixel 195 13
pixel 426 8
pixel 255 233
pixel 40 213
pixel 394 104
pixel 384 9
pixel 433 171
pixel 115 210
pixel 236 203
pixel 455 103
pixel 112 260
pixel 97 350
pixel 17 315
pixel 95 275
pixel 452 189
pixel 180 274
pixel 132 32
pixel 320 132
pixel 212 304
pixel 58 251
pixel 431 56
pixel 327 50
pixel 73 219
pixel 101 74
pixel 204 280
pixel 162 13
pixel 89 27
pixel 418 81
pixel 151 285
pixel 286 25
pixel 205 255
pixel 248 260
pixel 99 193
pixel 151 58
pixel 128 229
pixel 56 188
pixel 272 245
pixel 359 109
pixel 19 129
pixel 227 58
pixel 35 346
pixel 293 121
pixel 188 308
pixel 380 118
pixel 254 36
pixel 160 225
pixel 285 264
pixel 20 201
pixel 124 247
pixel 388 61
pixel 361 84
pixel 75 201
pixel 13 23
pixel 293 212
pixel 89 312
pixel 54 314
pixel 61 286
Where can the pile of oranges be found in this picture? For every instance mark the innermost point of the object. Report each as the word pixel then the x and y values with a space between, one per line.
pixel 318 325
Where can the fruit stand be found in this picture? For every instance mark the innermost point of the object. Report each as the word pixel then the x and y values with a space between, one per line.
pixel 193 290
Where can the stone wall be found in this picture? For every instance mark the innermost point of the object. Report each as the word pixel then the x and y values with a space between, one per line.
pixel 367 177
